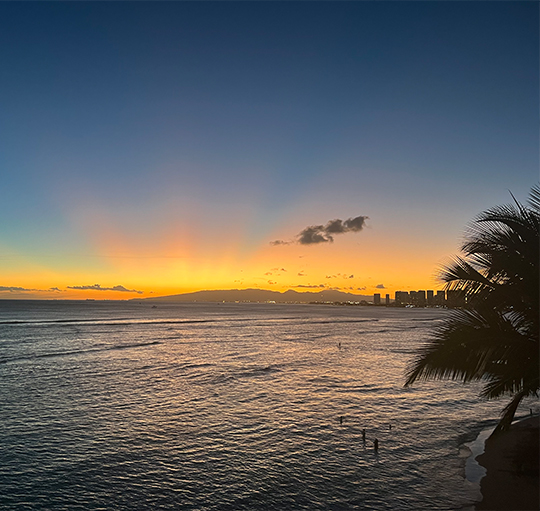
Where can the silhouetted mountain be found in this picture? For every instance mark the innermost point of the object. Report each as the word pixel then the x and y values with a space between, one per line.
pixel 261 295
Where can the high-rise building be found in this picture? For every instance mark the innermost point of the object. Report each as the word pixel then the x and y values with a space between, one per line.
pixel 387 299
pixel 377 299
pixel 429 297
pixel 440 299
pixel 401 298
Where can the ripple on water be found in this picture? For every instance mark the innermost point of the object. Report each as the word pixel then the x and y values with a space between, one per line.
pixel 237 409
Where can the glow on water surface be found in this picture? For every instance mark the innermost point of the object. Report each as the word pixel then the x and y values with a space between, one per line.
pixel 227 406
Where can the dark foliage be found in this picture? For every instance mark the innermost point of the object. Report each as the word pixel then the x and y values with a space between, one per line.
pixel 495 338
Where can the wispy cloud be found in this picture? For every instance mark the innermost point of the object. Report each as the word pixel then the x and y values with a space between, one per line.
pixel 97 287
pixel 315 234
pixel 341 275
pixel 17 289
pixel 273 270
pixel 12 289
pixel 310 286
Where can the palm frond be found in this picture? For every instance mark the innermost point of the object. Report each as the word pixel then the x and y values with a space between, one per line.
pixel 496 340
pixel 534 199
pixel 467 346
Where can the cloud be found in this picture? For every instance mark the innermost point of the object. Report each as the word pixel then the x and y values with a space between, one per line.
pixel 12 289
pixel 310 286
pixel 301 274
pixel 272 270
pixel 17 289
pixel 97 287
pixel 315 234
pixel 380 286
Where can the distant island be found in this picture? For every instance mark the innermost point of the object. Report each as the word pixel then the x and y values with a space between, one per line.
pixel 260 295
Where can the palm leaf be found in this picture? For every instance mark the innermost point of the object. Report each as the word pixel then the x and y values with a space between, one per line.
pixel 496 340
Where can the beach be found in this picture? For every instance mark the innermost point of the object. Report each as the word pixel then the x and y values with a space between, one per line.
pixel 512 462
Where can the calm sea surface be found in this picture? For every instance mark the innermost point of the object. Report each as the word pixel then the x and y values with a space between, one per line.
pixel 118 405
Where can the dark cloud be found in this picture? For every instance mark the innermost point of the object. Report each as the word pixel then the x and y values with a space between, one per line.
pixel 380 286
pixel 315 234
pixel 334 227
pixel 17 289
pixel 310 286
pixel 355 224
pixel 301 274
pixel 350 277
pixel 11 289
pixel 97 287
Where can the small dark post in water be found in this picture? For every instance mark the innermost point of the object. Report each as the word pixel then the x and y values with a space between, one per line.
pixel 341 420
pixel 389 426
pixel 376 444
pixel 339 345
pixel 530 410
pixel 364 435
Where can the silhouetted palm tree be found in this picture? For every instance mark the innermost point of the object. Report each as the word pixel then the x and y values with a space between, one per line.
pixel 495 337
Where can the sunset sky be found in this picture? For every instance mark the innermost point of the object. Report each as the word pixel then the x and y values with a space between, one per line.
pixel 153 148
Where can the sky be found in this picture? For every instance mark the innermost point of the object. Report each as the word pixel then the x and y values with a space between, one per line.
pixel 156 148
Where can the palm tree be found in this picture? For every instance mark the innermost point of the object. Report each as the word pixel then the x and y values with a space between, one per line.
pixel 494 338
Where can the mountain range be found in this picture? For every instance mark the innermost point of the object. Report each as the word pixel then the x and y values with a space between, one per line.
pixel 261 295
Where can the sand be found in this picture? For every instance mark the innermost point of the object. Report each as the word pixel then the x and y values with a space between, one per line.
pixel 512 462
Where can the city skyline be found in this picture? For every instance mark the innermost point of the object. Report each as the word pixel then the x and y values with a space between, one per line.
pixel 159 148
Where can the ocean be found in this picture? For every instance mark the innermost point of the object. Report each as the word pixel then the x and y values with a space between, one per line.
pixel 228 406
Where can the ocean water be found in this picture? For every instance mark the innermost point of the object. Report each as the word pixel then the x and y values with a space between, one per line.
pixel 118 405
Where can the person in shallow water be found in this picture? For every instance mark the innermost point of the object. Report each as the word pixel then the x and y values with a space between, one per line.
pixel 364 435
pixel 376 444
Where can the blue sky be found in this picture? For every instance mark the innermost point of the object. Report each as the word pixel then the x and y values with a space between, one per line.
pixel 197 121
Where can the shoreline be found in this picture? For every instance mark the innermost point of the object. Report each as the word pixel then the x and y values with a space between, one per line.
pixel 511 463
